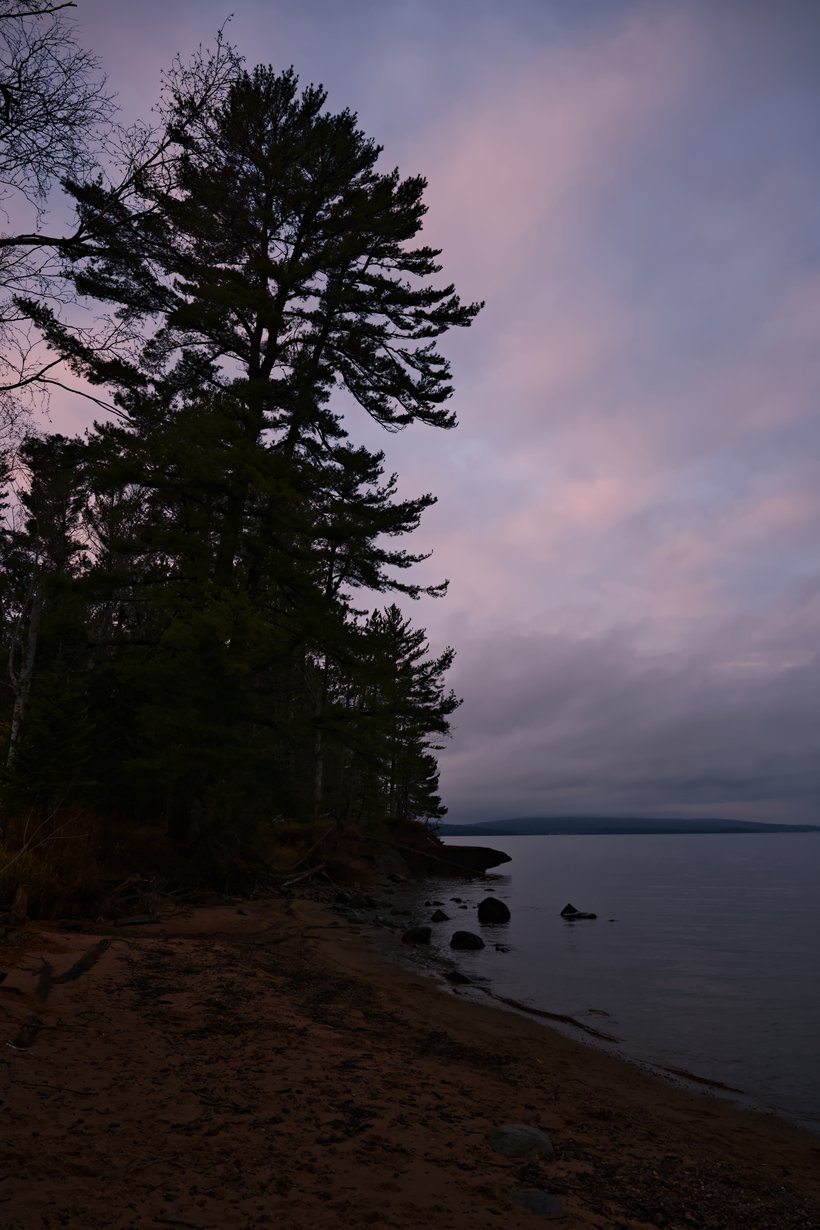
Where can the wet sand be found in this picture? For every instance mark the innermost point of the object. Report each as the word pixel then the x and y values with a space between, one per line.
pixel 268 1068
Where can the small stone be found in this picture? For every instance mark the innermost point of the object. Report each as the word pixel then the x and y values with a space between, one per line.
pixel 439 916
pixel 520 1140
pixel 538 1202
pixel 456 977
pixel 466 940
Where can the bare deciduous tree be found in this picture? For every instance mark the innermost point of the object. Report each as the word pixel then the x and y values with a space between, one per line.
pixel 57 126
pixel 52 97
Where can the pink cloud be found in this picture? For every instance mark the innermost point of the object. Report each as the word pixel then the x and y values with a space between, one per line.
pixel 512 165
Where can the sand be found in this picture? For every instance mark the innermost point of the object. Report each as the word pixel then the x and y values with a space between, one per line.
pixel 268 1068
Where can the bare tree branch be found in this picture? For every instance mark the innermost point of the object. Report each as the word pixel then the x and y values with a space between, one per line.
pixel 56 123
pixel 40 10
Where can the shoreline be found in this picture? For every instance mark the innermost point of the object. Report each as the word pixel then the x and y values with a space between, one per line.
pixel 433 964
pixel 265 1065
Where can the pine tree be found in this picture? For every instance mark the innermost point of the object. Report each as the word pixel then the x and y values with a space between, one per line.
pixel 234 523
pixel 48 656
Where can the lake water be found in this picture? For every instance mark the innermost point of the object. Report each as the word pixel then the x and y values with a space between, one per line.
pixel 705 953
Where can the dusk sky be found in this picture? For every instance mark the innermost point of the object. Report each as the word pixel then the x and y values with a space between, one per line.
pixel 629 512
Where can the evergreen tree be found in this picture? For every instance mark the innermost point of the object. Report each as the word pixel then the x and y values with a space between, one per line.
pixel 412 710
pixel 48 655
pixel 232 524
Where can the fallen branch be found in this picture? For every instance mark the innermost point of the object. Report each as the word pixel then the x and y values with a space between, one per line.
pixel 304 876
pixel 44 981
pixel 175 1221
pixel 333 828
pixel 90 957
pixel 28 1032
pixel 80 1093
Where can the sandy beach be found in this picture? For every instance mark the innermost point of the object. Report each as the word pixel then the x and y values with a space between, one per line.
pixel 260 1065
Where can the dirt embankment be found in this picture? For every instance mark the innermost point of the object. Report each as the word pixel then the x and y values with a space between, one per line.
pixel 264 1068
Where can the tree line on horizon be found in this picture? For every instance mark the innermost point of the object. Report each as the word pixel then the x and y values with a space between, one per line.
pixel 190 618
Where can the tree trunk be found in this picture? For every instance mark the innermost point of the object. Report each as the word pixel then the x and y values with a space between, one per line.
pixel 318 747
pixel 22 677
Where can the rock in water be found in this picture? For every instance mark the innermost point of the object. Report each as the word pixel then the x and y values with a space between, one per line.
pixel 417 935
pixel 491 910
pixel 439 916
pixel 520 1140
pixel 466 940
pixel 538 1202
pixel 570 913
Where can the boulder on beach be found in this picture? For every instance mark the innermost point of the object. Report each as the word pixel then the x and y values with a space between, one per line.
pixel 520 1140
pixel 466 940
pixel 439 916
pixel 491 910
pixel 417 935
pixel 457 978
pixel 538 1202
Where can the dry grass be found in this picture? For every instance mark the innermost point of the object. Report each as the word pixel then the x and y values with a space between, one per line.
pixel 55 859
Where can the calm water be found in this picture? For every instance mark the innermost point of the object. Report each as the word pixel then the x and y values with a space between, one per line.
pixel 712 962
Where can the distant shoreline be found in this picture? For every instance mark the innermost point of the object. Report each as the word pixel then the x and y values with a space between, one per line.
pixel 605 826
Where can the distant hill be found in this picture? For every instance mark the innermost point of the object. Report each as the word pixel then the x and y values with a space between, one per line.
pixel 602 825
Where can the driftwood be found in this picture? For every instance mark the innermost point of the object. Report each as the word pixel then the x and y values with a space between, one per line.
pixel 304 876
pixel 28 1032
pixel 19 909
pixel 300 862
pixel 136 920
pixel 121 891
pixel 90 957
pixel 44 981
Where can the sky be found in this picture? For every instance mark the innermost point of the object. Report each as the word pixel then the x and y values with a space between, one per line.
pixel 629 511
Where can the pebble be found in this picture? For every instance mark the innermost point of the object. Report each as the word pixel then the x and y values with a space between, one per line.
pixel 520 1140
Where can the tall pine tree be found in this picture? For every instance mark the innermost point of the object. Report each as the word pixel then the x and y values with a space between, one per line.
pixel 276 288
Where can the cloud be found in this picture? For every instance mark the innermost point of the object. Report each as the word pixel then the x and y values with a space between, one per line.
pixel 516 162
pixel 564 724
pixel 630 510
